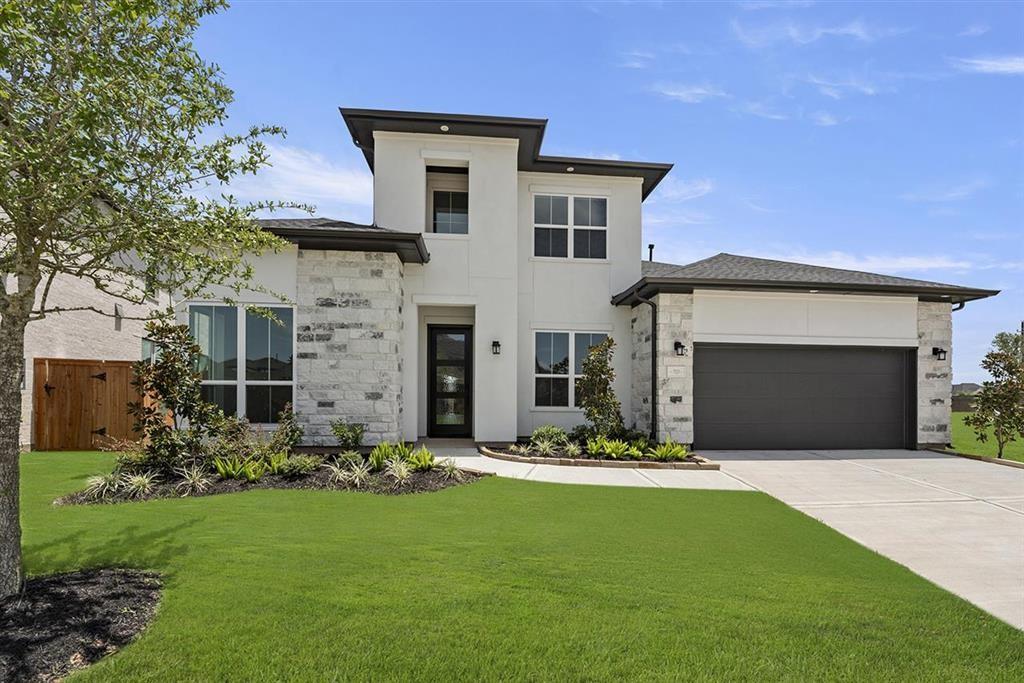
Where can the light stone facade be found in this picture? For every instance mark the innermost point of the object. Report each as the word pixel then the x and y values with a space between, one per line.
pixel 934 376
pixel 78 335
pixel 348 343
pixel 675 373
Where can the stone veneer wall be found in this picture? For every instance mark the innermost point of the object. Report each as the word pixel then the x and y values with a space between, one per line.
pixel 348 343
pixel 675 373
pixel 934 377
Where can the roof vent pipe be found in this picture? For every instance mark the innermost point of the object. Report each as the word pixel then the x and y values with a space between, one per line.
pixel 650 252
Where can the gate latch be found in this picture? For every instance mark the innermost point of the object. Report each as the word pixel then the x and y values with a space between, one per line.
pixel 101 376
pixel 102 431
pixel 48 388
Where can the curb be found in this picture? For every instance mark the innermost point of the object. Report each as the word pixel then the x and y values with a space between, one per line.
pixel 703 464
pixel 982 458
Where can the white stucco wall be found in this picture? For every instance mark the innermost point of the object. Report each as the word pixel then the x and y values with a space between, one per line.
pixel 477 269
pixel 794 318
pixel 574 295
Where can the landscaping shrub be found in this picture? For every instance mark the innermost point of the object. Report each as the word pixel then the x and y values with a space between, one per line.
pixel 594 389
pixel 173 418
pixel 299 465
pixel 668 451
pixel 999 405
pixel 253 470
pixel 544 447
pixel 288 433
pixel 572 450
pixel 103 486
pixel 349 435
pixel 275 462
pixel 139 485
pixel 358 474
pixel 397 468
pixel 349 458
pixel 193 481
pixel 449 470
pixel 421 460
pixel 229 467
pixel 550 433
pixel 337 473
pixel 380 455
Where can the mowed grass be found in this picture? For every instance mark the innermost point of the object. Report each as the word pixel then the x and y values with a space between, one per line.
pixel 505 579
pixel 966 441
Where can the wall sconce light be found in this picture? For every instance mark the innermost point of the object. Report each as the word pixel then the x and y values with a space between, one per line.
pixel 939 353
pixel 680 348
pixel 496 347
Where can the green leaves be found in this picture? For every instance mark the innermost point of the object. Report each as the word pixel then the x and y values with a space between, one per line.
pixel 596 396
pixel 999 405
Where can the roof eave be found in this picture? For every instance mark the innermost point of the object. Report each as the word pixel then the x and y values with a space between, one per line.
pixel 408 246
pixel 649 286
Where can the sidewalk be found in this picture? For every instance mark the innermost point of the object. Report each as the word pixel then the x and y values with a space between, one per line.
pixel 467 456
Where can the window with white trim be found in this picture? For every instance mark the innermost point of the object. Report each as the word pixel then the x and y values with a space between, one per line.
pixel 264 383
pixel 448 201
pixel 553 372
pixel 555 216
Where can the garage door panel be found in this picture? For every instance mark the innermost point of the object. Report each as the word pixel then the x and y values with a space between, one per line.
pixel 749 396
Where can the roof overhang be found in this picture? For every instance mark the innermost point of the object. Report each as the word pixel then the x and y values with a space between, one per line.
pixel 409 246
pixel 529 132
pixel 648 287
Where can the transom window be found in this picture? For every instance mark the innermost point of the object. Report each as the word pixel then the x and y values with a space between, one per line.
pixel 553 372
pixel 554 216
pixel 260 389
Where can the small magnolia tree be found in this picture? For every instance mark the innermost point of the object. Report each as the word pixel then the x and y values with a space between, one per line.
pixel 999 405
pixel 112 150
pixel 596 395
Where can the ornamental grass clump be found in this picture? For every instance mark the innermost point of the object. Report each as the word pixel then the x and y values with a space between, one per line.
pixel 398 470
pixel 139 485
pixel 421 460
pixel 193 481
pixel 668 451
pixel 549 433
pixel 102 486
pixel 449 470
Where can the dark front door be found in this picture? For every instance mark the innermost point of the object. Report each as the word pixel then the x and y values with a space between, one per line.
pixel 800 397
pixel 449 381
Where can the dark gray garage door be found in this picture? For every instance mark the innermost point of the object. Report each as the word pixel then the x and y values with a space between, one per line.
pixel 799 397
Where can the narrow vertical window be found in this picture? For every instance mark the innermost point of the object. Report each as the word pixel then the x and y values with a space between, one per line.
pixel 551 226
pixel 551 369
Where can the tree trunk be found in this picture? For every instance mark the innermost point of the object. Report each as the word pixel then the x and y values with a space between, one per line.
pixel 12 347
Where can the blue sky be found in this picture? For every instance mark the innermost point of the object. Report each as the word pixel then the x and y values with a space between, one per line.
pixel 880 137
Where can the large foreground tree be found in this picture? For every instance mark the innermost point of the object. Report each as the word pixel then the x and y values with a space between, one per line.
pixel 112 155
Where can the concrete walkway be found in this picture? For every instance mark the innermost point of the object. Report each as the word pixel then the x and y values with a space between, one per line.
pixel 954 521
pixel 467 456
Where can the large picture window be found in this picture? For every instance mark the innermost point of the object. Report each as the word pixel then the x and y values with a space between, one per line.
pixel 259 389
pixel 553 371
pixel 555 216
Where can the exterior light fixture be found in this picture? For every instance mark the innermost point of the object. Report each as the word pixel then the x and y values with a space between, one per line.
pixel 939 352
pixel 496 347
pixel 444 128
pixel 680 348
pixel 570 169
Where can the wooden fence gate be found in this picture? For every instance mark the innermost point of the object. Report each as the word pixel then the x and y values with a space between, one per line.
pixel 76 401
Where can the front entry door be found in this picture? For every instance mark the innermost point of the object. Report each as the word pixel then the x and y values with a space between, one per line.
pixel 449 381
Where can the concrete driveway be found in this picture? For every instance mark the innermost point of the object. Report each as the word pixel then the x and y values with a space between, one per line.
pixel 954 521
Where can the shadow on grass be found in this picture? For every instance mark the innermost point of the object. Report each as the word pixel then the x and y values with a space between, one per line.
pixel 133 546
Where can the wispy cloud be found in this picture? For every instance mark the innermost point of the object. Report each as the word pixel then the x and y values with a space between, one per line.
pixel 674 190
pixel 823 118
pixel 300 175
pixel 636 59
pixel 761 110
pixel 804 34
pixel 691 94
pixel 975 30
pixel 659 219
pixel 758 207
pixel 949 193
pixel 1010 64
pixel 774 4
pixel 837 88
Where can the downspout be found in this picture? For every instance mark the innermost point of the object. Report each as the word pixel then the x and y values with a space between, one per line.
pixel 654 362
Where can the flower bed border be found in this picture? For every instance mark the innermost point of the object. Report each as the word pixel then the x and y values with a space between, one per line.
pixel 701 464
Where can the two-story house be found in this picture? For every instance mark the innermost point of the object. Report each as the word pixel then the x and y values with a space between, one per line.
pixel 466 308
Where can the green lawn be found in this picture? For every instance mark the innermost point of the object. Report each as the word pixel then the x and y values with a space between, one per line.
pixel 965 441
pixel 507 579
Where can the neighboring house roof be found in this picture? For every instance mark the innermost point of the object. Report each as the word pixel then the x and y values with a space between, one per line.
pixel 729 271
pixel 327 233
pixel 530 133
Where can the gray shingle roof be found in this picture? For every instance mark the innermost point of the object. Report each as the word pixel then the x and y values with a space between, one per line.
pixel 317 223
pixel 739 268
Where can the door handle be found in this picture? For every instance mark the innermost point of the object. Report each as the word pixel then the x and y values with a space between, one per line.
pixel 48 389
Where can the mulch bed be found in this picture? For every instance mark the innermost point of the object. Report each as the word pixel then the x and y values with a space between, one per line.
pixel 419 482
pixel 64 622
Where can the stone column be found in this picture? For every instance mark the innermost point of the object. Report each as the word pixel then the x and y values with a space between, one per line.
pixel 349 343
pixel 934 376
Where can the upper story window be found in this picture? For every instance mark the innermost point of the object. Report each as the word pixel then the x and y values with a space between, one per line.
pixel 258 389
pixel 447 200
pixel 555 216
